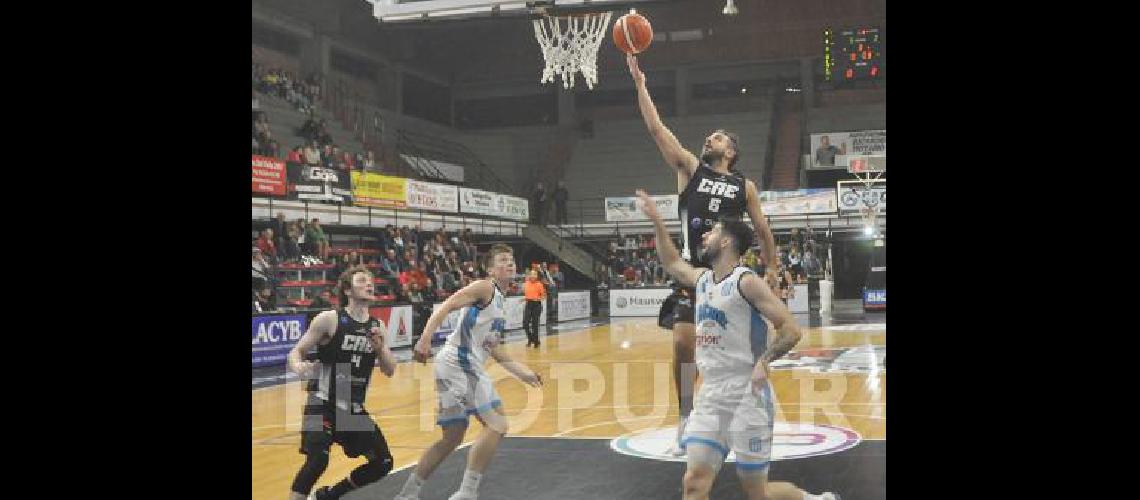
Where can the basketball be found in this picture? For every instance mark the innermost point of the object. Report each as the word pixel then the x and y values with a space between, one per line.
pixel 633 33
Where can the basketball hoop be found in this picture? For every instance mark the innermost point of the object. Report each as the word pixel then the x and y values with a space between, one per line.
pixel 570 44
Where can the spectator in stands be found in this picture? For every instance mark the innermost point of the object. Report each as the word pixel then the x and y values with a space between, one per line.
pixel 327 159
pixel 409 259
pixel 539 203
pixel 322 301
pixel 795 262
pixel 312 154
pixel 825 155
pixel 561 196
pixel 390 264
pixel 349 160
pixel 261 127
pixel 267 246
pixel 256 105
pixel 261 270
pixel 263 300
pixel 317 240
pixel 308 129
pixel 811 264
pixel 295 155
pixel 369 163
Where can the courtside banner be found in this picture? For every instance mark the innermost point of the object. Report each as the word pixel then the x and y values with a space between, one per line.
pixel 512 207
pixel 573 305
pixel 637 302
pixel 842 144
pixel 274 335
pixel 800 201
pixel 398 320
pixel 624 208
pixel 269 176
pixel 477 201
pixel 431 196
pixel 318 183
pixel 375 190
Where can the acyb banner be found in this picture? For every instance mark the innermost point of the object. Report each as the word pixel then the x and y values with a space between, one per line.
pixel 307 182
pixel 275 335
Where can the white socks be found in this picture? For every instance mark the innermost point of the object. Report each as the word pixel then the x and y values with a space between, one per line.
pixel 470 484
pixel 412 486
pixel 809 496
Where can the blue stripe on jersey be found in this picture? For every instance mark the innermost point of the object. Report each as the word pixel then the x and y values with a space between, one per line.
pixel 758 334
pixel 752 467
pixel 465 337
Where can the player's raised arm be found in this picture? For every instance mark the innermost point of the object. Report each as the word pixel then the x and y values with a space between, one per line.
pixel 763 232
pixel 479 292
pixel 680 270
pixel 676 155
pixel 384 357
pixel 323 324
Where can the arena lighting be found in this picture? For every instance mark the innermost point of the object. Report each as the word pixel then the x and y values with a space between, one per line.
pixel 730 9
pixel 868 230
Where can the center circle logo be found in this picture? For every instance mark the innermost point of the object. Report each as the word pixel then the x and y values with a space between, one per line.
pixel 622 301
pixel 790 440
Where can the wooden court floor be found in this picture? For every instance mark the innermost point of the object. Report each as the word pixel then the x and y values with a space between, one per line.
pixel 604 381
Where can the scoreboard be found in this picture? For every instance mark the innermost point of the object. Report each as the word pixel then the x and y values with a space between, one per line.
pixel 852 54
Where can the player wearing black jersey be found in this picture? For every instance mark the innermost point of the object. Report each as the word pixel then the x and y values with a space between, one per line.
pixel 348 344
pixel 710 189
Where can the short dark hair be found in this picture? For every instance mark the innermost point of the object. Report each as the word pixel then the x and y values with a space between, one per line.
pixel 735 139
pixel 344 283
pixel 739 231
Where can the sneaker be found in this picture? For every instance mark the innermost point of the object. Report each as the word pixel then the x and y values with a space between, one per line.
pixel 321 493
pixel 827 495
pixel 460 495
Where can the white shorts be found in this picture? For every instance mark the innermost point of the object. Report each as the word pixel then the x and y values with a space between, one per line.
pixel 728 416
pixel 461 393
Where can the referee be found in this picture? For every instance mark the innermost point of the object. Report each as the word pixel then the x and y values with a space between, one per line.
pixel 534 292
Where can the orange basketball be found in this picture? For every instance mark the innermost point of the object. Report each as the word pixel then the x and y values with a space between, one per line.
pixel 632 33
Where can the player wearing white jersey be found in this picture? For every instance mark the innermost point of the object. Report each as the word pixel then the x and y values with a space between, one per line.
pixel 462 385
pixel 733 410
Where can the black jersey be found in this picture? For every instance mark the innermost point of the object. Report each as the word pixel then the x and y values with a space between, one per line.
pixel 346 364
pixel 707 197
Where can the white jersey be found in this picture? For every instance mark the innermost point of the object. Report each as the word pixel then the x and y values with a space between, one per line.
pixel 480 329
pixel 731 334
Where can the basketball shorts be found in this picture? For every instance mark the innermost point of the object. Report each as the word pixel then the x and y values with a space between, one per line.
pixel 728 416
pixel 461 393
pixel 323 424
pixel 677 308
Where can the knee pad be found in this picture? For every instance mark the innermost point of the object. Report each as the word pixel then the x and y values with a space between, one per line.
pixel 314 466
pixel 372 471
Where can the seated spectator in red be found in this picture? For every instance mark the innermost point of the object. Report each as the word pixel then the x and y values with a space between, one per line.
pixel 349 161
pixel 630 275
pixel 266 245
pixel 295 155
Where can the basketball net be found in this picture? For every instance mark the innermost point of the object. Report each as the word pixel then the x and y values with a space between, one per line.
pixel 570 44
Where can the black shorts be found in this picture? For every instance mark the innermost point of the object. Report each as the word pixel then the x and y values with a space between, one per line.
pixel 677 308
pixel 323 424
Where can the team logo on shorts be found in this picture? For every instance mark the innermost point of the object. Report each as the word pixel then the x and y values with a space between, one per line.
pixel 789 441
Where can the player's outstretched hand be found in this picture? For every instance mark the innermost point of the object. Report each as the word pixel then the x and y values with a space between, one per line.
pixel 422 352
pixel 377 336
pixel 304 369
pixel 648 206
pixel 532 379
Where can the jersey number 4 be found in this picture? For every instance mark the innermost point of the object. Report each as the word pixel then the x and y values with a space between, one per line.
pixel 714 205
pixel 356 360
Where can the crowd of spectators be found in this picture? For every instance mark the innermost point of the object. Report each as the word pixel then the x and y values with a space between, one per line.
pixel 632 261
pixel 313 144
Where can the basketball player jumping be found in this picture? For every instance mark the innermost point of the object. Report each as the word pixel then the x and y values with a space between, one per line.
pixel 734 409
pixel 462 385
pixel 709 189
pixel 348 344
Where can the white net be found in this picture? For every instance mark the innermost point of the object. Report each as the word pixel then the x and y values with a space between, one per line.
pixel 570 45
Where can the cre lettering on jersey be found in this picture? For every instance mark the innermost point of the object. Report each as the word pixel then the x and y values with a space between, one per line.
pixel 356 343
pixel 717 188
pixel 705 312
pixel 278 331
